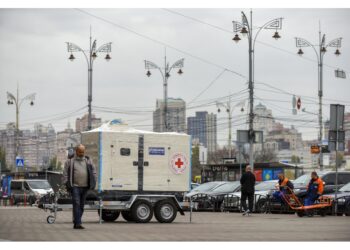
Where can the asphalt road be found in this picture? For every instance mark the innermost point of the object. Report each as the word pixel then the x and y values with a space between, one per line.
pixel 29 224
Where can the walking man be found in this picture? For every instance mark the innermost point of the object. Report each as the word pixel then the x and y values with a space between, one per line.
pixel 79 176
pixel 247 190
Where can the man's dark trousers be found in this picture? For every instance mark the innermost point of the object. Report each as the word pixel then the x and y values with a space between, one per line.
pixel 78 198
pixel 250 197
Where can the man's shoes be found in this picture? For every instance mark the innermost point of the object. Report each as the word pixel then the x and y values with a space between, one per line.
pixel 78 227
pixel 246 213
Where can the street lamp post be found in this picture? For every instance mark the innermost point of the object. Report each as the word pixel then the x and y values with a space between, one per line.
pixel 17 101
pixel 90 56
pixel 165 72
pixel 320 49
pixel 229 109
pixel 246 28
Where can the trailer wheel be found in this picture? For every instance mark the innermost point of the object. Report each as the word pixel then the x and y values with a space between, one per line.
pixel 323 212
pixel 165 211
pixel 109 215
pixel 127 216
pixel 50 219
pixel 300 213
pixel 141 211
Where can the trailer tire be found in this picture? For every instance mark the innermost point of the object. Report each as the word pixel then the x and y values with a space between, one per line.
pixel 127 216
pixel 141 211
pixel 165 211
pixel 50 219
pixel 323 212
pixel 109 215
pixel 300 213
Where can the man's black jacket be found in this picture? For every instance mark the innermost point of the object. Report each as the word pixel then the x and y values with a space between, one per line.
pixel 248 182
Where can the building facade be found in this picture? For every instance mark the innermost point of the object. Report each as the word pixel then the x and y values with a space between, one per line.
pixel 203 127
pixel 81 124
pixel 176 116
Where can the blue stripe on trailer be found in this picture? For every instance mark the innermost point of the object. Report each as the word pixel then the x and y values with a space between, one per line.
pixel 100 161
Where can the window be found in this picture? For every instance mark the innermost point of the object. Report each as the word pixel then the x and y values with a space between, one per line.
pixel 16 185
pixel 125 151
pixel 343 178
pixel 329 179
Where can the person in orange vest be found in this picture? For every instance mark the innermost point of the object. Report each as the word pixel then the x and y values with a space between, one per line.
pixel 314 189
pixel 283 183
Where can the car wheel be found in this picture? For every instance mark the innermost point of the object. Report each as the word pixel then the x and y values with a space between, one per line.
pixel 165 211
pixel 347 208
pixel 261 206
pixel 141 211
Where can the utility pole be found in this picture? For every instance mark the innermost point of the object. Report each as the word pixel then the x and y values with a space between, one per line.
pixel 165 72
pixel 246 29
pixel 320 49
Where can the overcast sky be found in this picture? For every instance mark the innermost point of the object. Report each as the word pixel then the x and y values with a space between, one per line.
pixel 34 54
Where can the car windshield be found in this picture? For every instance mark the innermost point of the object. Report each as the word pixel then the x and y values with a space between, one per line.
pixel 205 187
pixel 345 188
pixel 303 180
pixel 42 184
pixel 265 186
pixel 227 187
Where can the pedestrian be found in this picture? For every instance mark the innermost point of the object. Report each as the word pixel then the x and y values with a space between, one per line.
pixel 284 186
pixel 247 190
pixel 314 189
pixel 79 176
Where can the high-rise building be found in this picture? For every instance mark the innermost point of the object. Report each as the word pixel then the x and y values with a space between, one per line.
pixel 37 147
pixel 263 119
pixel 176 116
pixel 81 124
pixel 203 127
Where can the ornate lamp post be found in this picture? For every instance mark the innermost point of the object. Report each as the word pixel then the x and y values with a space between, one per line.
pixel 165 72
pixel 90 56
pixel 246 29
pixel 320 50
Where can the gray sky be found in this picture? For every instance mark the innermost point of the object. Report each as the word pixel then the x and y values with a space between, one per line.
pixel 33 53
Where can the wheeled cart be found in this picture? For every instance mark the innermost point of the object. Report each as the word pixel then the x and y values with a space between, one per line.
pixel 320 207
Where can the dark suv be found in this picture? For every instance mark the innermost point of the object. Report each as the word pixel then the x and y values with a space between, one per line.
pixel 328 177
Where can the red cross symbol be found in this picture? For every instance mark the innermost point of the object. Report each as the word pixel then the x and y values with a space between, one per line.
pixel 179 163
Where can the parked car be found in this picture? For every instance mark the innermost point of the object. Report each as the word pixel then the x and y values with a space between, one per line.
pixel 29 190
pixel 205 187
pixel 216 195
pixel 199 195
pixel 343 200
pixel 232 201
pixel 328 177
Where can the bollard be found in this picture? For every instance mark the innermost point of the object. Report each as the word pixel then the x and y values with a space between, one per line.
pixel 11 201
pixel 25 200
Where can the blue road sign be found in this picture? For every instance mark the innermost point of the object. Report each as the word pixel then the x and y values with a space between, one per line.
pixel 19 162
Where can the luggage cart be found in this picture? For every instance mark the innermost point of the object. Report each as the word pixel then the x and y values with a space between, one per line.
pixel 319 207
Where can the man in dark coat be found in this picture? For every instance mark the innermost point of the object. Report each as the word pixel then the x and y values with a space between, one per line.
pixel 247 190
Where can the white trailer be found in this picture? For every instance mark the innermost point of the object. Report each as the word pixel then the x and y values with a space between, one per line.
pixel 139 173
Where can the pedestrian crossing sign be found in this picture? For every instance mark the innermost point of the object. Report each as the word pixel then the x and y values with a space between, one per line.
pixel 19 162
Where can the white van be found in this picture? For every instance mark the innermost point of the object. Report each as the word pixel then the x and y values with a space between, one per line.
pixel 29 190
